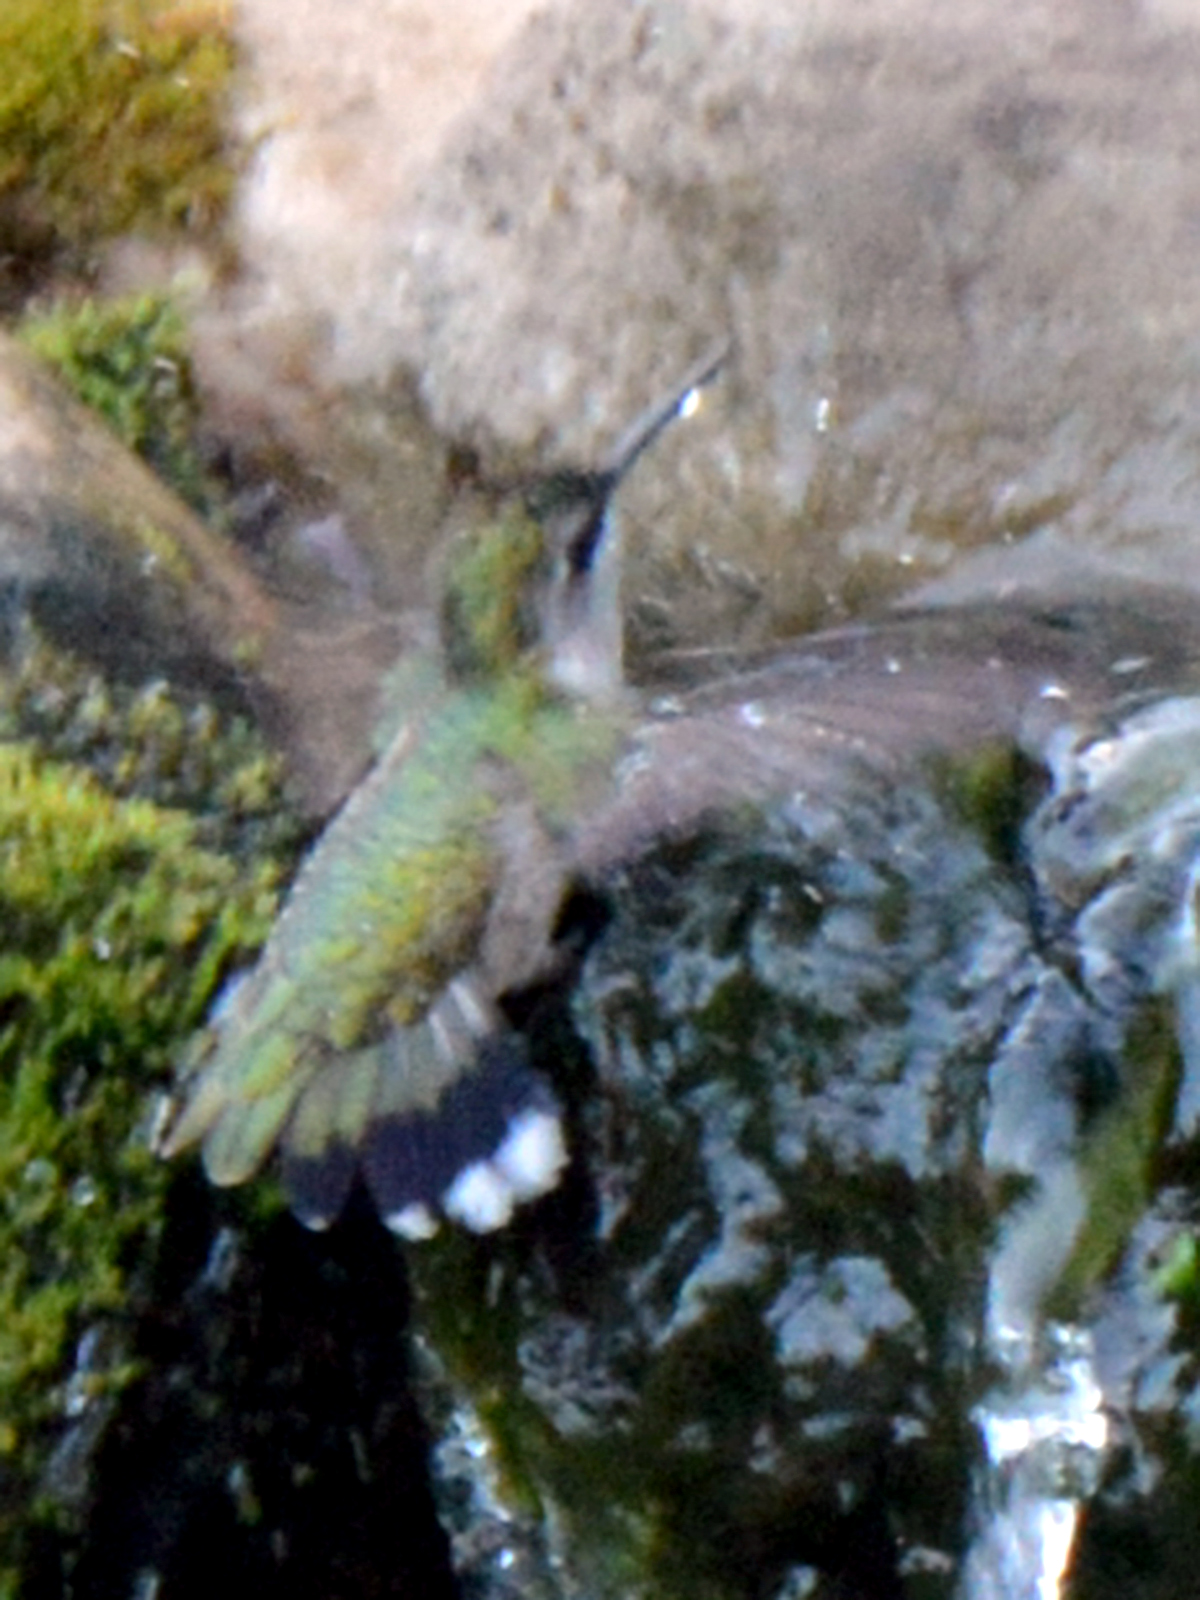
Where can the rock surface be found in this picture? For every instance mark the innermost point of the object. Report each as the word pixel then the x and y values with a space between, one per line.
pixel 111 565
pixel 954 253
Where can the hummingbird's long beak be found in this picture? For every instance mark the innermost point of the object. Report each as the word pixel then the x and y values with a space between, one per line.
pixel 642 433
pixel 582 621
pixel 633 444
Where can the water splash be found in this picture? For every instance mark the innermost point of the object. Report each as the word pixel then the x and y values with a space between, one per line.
pixel 1045 1434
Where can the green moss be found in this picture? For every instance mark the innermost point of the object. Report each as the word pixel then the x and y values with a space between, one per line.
pixel 111 118
pixel 115 927
pixel 991 789
pixel 1177 1276
pixel 129 360
pixel 1119 1155
pixel 152 743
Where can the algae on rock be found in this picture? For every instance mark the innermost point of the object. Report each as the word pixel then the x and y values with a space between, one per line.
pixel 111 120
pixel 116 927
pixel 129 360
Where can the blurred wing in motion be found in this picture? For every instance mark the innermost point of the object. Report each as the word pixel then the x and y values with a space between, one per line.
pixel 802 719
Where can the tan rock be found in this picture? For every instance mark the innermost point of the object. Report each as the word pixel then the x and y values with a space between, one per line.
pixel 953 243
pixel 114 567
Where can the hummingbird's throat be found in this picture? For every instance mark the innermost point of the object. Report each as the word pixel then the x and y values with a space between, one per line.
pixel 584 626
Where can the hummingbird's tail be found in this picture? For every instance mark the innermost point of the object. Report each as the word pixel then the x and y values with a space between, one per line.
pixel 441 1117
pixel 481 1134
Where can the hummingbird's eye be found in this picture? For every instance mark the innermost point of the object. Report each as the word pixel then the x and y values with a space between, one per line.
pixel 571 507
pixel 584 537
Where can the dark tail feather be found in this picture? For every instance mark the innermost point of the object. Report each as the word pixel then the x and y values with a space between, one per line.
pixel 415 1155
pixel 444 1117
pixel 320 1145
pixel 317 1188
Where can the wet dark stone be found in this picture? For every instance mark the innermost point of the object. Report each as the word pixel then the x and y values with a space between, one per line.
pixel 758 1355
pixel 272 1446
pixel 868 1089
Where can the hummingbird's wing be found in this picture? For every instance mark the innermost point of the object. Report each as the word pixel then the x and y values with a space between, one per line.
pixel 803 719
pixel 366 1035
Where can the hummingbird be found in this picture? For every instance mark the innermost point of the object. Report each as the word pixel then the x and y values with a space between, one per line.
pixel 370 1038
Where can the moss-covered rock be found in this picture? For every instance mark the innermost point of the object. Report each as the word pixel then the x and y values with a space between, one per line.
pixel 111 120
pixel 151 742
pixel 116 927
pixel 129 360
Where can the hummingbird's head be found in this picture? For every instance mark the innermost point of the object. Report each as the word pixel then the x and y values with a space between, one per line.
pixel 545 577
pixel 541 582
